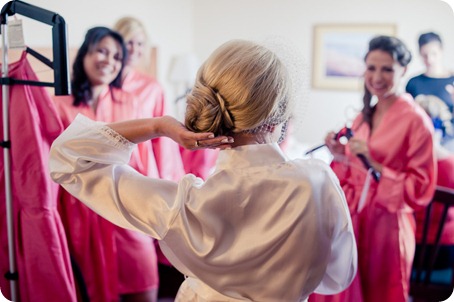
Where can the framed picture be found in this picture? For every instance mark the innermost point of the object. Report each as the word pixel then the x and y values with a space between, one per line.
pixel 339 50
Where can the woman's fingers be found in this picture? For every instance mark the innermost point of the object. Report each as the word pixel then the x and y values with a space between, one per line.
pixel 222 142
pixel 191 140
pixel 358 146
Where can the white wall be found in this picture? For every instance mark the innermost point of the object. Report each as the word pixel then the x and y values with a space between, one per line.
pixel 221 20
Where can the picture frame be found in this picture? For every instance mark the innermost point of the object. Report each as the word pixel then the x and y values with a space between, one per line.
pixel 338 54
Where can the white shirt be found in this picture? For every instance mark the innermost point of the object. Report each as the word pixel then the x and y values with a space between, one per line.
pixel 260 228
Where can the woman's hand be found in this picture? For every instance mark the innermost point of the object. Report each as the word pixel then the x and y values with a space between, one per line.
pixel 334 146
pixel 172 128
pixel 140 130
pixel 358 146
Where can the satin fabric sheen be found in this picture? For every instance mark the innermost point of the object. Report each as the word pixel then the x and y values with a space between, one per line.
pixel 113 260
pixel 260 228
pixel 385 228
pixel 42 257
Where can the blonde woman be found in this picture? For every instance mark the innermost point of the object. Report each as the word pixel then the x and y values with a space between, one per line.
pixel 162 152
pixel 261 227
pixel 150 94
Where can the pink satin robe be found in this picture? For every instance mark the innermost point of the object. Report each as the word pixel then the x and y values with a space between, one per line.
pixel 151 103
pixel 42 256
pixel 445 179
pixel 113 260
pixel 385 227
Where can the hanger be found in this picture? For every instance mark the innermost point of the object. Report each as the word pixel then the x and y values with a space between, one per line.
pixel 59 45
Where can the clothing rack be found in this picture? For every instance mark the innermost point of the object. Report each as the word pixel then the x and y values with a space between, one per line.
pixel 61 86
pixel 60 63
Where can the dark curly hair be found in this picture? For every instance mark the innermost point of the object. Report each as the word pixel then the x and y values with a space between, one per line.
pixel 398 51
pixel 80 85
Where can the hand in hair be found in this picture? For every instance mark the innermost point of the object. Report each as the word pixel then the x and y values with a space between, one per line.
pixel 191 140
pixel 141 130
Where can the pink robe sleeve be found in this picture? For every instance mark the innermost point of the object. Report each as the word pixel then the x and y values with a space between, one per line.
pixel 340 168
pixel 166 151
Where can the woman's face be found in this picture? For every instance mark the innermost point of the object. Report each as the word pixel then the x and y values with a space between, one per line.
pixel 383 74
pixel 102 63
pixel 432 54
pixel 136 48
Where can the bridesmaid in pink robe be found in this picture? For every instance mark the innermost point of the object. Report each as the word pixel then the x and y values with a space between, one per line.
pixel 149 94
pixel 395 136
pixel 148 91
pixel 112 268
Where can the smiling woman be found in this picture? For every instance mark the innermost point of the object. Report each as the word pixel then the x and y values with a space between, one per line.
pixel 103 62
pixel 401 150
pixel 108 269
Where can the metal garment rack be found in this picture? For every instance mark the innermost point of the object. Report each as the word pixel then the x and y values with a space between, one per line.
pixel 61 85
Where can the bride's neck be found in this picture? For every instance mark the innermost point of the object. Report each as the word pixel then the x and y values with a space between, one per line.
pixel 242 139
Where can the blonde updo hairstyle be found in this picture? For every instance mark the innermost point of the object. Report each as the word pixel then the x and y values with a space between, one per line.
pixel 241 87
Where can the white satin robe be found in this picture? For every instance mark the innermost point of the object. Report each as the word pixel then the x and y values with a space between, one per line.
pixel 260 228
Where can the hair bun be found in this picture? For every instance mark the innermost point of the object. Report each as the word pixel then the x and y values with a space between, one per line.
pixel 207 111
pixel 238 88
pixel 226 115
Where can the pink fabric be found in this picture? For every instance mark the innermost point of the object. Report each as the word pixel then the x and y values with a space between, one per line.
pixel 385 228
pixel 42 256
pixel 445 179
pixel 92 246
pixel 113 260
pixel 151 103
pixel 199 162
